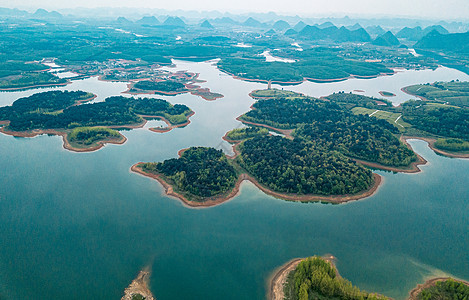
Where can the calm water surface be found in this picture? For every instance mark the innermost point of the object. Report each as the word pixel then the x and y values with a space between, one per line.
pixel 81 225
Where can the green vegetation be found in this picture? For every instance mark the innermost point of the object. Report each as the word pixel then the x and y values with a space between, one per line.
pixel 163 86
pixel 315 64
pixel 331 126
pixel 274 93
pixel 293 166
pixel 30 79
pixel 34 112
pixel 391 117
pixel 437 119
pixel 452 145
pixel 454 92
pixel 448 289
pixel 199 173
pixel 387 94
pixel 9 68
pixel 351 100
pixel 246 133
pixel 137 297
pixel 87 136
pixel 315 278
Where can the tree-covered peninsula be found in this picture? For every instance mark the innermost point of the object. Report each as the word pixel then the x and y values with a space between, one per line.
pixel 59 112
pixel 316 278
pixel 200 174
pixel 441 288
pixel 332 126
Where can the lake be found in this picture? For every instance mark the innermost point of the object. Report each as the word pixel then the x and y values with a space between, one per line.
pixel 81 225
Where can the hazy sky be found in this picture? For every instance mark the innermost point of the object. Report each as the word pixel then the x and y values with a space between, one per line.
pixel 440 9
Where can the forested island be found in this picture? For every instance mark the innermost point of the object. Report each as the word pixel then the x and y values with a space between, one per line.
pixel 332 126
pixel 60 112
pixel 92 138
pixel 314 278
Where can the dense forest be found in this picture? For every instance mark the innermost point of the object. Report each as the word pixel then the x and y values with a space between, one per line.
pixel 246 133
pixel 89 135
pixel 29 79
pixel 351 99
pixel 293 166
pixel 452 144
pixel 448 289
pixel 331 126
pixel 437 119
pixel 164 86
pixel 199 173
pixel 315 278
pixel 113 111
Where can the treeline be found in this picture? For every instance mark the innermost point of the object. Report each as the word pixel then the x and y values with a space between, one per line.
pixel 315 278
pixel 293 166
pixel 246 133
pixel 90 135
pixel 359 100
pixel 448 289
pixel 201 172
pixel 437 119
pixel 452 144
pixel 332 127
pixel 116 110
pixel 164 86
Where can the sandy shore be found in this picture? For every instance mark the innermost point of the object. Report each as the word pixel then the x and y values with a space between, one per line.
pixel 139 286
pixel 431 144
pixel 413 295
pixel 279 277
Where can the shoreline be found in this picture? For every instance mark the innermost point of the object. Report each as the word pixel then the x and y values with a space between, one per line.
pixel 139 286
pixel 170 126
pixel 217 200
pixel 404 89
pixel 30 87
pixel 431 145
pixel 66 144
pixel 415 292
pixel 278 277
pixel 382 93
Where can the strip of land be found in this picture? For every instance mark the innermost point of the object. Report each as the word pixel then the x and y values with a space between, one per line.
pixel 139 286
pixel 431 144
pixel 413 295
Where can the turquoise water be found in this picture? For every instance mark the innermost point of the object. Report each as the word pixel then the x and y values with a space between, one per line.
pixel 81 225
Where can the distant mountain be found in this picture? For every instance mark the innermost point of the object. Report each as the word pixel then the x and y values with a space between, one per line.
pixel 270 32
pixel 290 32
pixel 251 22
pixel 149 20
pixel 325 25
pixel 281 25
pixel 12 12
pixel 453 42
pixel 375 30
pixel 174 21
pixel 356 26
pixel 42 13
pixel 335 34
pixel 225 21
pixel 416 33
pixel 123 21
pixel 300 26
pixel 206 24
pixel 413 34
pixel 387 39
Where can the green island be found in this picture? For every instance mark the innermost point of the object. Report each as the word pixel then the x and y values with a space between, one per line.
pixel 198 175
pixel 59 112
pixel 332 126
pixel 17 75
pixel 318 278
pixel 319 64
pixel 273 93
pixel 158 87
pixel 441 288
pixel 87 138
pixel 452 93
pixel 315 278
